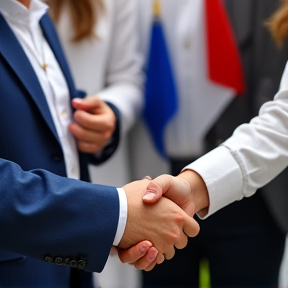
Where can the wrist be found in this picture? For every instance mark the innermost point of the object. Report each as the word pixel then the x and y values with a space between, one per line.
pixel 198 189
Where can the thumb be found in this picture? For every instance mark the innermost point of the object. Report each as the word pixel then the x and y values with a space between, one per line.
pixel 176 189
pixel 87 103
pixel 157 187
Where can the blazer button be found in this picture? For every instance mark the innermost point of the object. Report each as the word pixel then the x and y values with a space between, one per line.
pixel 48 259
pixel 66 261
pixel 81 264
pixel 58 260
pixel 73 263
pixel 56 157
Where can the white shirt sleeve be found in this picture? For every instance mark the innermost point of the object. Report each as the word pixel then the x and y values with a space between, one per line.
pixel 255 154
pixel 222 177
pixel 122 216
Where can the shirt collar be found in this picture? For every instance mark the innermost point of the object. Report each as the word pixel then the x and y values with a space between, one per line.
pixel 17 12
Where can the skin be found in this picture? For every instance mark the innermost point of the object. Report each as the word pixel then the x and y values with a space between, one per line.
pixel 142 256
pixel 26 3
pixel 188 190
pixel 94 124
pixel 164 223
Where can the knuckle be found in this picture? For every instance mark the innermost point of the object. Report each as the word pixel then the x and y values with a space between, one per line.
pixel 173 237
pixel 179 218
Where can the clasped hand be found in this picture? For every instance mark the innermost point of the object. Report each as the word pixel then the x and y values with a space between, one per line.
pixel 166 224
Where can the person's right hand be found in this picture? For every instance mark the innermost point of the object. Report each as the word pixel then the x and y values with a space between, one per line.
pixel 188 190
pixel 94 122
pixel 164 223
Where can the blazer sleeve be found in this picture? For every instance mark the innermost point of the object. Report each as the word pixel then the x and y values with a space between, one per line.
pixel 124 78
pixel 56 219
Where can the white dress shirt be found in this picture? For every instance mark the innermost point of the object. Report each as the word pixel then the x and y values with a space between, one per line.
pixel 255 154
pixel 25 25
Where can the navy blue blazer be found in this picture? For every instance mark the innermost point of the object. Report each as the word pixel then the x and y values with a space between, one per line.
pixel 43 214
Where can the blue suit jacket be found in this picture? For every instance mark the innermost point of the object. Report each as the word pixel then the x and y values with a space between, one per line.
pixel 45 216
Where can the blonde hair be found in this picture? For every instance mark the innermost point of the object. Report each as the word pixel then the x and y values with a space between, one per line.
pixel 84 14
pixel 278 23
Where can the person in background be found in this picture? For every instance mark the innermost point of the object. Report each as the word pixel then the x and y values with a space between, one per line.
pixel 47 214
pixel 236 244
pixel 103 53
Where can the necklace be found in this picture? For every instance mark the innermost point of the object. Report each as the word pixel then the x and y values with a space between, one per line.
pixel 43 65
pixel 39 51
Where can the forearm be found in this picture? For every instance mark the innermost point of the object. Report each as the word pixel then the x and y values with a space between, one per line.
pixel 200 191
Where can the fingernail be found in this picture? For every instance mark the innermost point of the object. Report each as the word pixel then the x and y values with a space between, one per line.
pixel 77 100
pixel 152 256
pixel 143 248
pixel 149 195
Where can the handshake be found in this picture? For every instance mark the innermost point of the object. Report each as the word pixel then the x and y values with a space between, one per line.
pixel 156 225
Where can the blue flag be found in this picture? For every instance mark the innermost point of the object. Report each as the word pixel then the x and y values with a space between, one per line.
pixel 160 88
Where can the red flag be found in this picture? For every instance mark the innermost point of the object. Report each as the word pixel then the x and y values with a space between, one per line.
pixel 224 64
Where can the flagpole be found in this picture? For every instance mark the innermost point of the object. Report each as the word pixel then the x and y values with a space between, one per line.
pixel 156 9
pixel 160 88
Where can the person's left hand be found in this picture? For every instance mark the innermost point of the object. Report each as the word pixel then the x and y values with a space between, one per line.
pixel 143 256
pixel 94 123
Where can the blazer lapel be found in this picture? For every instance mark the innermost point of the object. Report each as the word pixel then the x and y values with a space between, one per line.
pixel 14 54
pixel 53 40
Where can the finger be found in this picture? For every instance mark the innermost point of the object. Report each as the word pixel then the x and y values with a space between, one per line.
pixel 90 136
pixel 176 189
pixel 157 187
pixel 104 121
pixel 134 253
pixel 90 147
pixel 169 253
pixel 191 227
pixel 149 258
pixel 181 241
pixel 150 267
pixel 160 259
pixel 113 251
pixel 87 103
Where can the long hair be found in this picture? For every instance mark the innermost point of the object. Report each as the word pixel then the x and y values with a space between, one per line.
pixel 84 15
pixel 278 23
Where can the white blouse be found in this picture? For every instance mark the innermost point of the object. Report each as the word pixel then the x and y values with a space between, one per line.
pixel 255 154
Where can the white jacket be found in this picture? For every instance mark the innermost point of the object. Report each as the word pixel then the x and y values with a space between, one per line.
pixel 111 67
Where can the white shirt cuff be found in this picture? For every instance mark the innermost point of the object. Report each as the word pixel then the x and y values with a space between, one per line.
pixel 222 175
pixel 122 216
